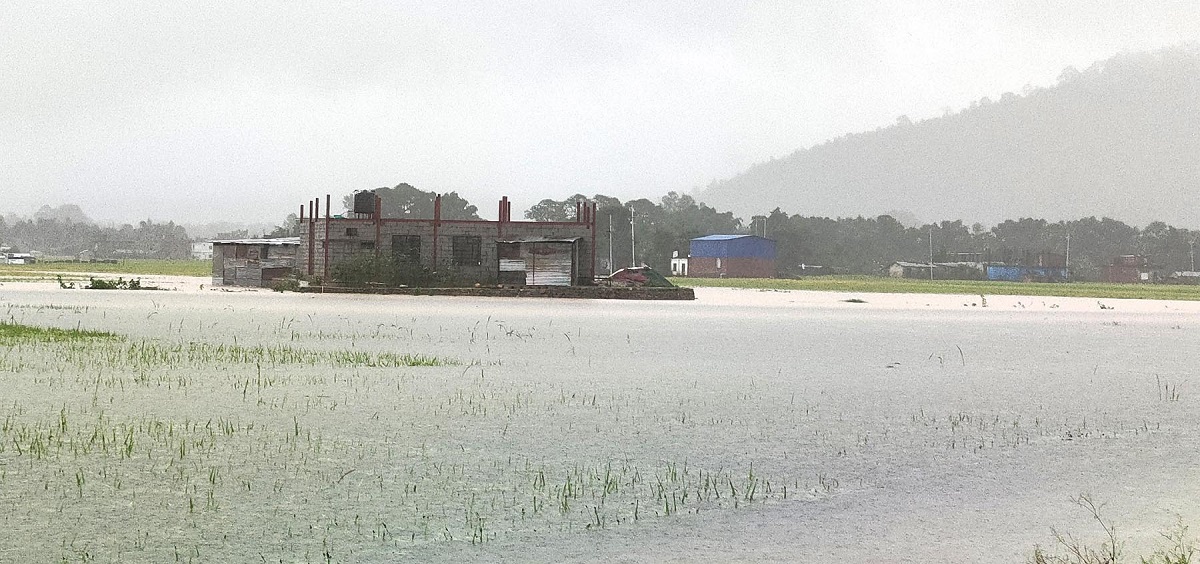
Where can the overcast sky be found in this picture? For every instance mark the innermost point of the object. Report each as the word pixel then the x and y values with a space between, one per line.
pixel 195 111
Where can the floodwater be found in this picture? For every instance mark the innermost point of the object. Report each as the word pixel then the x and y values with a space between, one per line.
pixel 744 426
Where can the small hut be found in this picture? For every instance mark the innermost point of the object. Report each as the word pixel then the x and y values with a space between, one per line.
pixel 253 262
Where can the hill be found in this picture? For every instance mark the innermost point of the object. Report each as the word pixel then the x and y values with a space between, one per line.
pixel 1120 139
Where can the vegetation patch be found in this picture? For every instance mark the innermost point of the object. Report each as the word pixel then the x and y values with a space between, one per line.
pixel 151 354
pixel 367 270
pixel 13 333
pixel 1180 547
pixel 105 284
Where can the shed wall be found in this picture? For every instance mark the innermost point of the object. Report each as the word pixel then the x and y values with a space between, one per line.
pixel 1122 274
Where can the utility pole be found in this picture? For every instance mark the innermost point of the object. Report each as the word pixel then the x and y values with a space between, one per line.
pixel 931 252
pixel 1192 252
pixel 1068 255
pixel 632 239
pixel 610 238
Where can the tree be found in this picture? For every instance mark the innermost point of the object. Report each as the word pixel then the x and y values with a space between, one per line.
pixel 289 228
pixel 405 201
pixel 555 210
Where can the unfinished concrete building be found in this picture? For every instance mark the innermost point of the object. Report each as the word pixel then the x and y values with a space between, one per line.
pixel 532 253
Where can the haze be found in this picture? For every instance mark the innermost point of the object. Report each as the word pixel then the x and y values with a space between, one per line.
pixel 240 112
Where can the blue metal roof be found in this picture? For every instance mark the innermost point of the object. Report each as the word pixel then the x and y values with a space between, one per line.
pixel 747 246
pixel 720 237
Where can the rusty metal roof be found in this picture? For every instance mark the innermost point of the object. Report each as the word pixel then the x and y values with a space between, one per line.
pixel 538 240
pixel 276 241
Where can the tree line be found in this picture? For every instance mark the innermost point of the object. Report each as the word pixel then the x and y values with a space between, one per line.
pixel 64 237
pixel 646 232
pixel 652 230
pixel 642 231
pixel 868 245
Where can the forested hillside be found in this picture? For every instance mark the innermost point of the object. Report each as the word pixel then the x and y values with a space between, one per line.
pixel 1120 139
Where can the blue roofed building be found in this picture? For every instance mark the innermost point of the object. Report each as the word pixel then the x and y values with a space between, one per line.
pixel 732 256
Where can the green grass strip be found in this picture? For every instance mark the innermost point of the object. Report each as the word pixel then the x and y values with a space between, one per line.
pixel 881 285
pixel 132 266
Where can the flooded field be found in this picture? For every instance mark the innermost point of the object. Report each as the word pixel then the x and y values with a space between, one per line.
pixel 744 426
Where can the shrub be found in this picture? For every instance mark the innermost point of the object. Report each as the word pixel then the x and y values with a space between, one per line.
pixel 1180 549
pixel 285 285
pixel 387 271
pixel 118 284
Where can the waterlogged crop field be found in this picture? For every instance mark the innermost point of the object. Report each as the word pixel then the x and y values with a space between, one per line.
pixel 207 426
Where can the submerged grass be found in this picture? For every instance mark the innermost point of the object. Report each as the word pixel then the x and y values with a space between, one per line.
pixel 86 347
pixel 96 348
pixel 883 285
pixel 13 333
pixel 278 354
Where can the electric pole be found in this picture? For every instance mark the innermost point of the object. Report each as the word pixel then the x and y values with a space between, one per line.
pixel 1068 264
pixel 632 239
pixel 931 252
pixel 610 239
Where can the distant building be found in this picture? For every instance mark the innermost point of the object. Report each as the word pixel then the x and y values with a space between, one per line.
pixel 679 265
pixel 732 256
pixel 529 253
pixel 253 262
pixel 1046 267
pixel 941 270
pixel 1022 273
pixel 20 258
pixel 905 269
pixel 1190 277
pixel 1050 260
pixel 202 250
pixel 1130 269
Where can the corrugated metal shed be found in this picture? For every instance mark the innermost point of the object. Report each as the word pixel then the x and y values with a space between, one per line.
pixel 541 261
pixel 253 262
pixel 729 246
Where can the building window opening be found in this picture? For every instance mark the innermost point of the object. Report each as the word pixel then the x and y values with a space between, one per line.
pixel 407 248
pixel 466 250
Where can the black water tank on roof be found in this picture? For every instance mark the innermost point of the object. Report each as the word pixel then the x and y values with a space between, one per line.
pixel 364 202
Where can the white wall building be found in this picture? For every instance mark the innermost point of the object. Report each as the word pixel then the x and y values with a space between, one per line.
pixel 202 250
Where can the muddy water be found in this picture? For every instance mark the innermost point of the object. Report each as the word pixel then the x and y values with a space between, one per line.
pixel 744 426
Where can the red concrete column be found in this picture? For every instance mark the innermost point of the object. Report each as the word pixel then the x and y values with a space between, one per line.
pixel 437 220
pixel 378 218
pixel 327 216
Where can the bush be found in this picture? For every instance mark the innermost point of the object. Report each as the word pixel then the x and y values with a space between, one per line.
pixel 286 285
pixel 1181 547
pixel 387 271
pixel 108 284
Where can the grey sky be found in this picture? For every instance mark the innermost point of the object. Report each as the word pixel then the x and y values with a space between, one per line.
pixel 243 110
